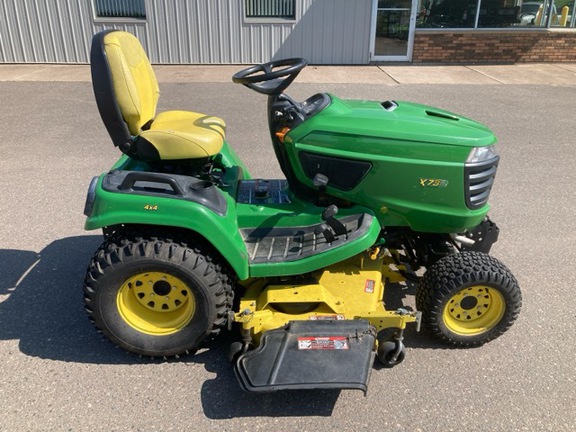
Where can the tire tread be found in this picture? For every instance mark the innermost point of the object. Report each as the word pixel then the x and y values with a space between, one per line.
pixel 132 245
pixel 456 272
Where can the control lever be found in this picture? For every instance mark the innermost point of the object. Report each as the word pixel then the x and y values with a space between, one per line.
pixel 320 181
pixel 333 227
pixel 327 231
pixel 328 215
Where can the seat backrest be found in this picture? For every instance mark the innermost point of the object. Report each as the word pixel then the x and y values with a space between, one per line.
pixel 125 86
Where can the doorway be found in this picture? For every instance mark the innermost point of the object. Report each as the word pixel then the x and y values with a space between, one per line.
pixel 393 23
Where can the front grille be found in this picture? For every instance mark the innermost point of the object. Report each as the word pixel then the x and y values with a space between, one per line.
pixel 479 178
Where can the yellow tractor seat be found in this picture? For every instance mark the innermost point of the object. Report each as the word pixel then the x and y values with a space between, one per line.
pixel 127 93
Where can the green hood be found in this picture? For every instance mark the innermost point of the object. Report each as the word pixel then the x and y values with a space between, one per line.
pixel 402 121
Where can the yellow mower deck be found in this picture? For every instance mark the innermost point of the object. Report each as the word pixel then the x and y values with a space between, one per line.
pixel 352 289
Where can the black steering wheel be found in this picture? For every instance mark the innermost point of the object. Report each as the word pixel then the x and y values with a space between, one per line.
pixel 270 78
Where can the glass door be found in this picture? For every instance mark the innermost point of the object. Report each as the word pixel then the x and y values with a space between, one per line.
pixel 393 23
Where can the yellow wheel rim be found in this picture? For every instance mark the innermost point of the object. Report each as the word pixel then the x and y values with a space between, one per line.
pixel 156 303
pixel 473 311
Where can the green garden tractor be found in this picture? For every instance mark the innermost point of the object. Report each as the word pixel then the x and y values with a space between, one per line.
pixel 375 195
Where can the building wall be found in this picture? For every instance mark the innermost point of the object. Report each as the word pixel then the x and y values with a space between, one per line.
pixel 189 32
pixel 43 31
pixel 216 32
pixel 494 47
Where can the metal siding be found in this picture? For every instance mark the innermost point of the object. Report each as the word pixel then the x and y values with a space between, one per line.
pixel 196 31
pixel 328 32
pixel 8 33
pixel 51 31
pixel 43 31
pixel 189 32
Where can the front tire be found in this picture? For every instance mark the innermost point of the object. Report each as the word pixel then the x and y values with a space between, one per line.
pixel 153 296
pixel 468 299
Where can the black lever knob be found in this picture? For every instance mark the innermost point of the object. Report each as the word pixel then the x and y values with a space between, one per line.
pixel 320 181
pixel 326 231
pixel 329 212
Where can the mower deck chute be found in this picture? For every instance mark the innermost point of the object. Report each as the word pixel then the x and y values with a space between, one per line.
pixel 310 355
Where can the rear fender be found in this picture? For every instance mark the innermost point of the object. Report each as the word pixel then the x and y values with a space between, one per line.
pixel 221 230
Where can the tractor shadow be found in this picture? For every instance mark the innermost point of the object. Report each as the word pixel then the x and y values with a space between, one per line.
pixel 41 305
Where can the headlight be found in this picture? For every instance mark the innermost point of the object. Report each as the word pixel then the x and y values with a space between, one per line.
pixel 90 197
pixel 481 154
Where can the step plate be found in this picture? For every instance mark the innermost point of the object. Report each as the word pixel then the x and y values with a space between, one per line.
pixel 282 244
pixel 310 355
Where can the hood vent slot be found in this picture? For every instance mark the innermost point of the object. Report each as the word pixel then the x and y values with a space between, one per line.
pixel 442 115
pixel 389 105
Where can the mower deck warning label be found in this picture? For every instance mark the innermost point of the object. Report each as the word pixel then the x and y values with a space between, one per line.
pixel 323 343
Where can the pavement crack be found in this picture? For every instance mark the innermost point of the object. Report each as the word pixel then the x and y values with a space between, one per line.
pixel 390 76
pixel 485 74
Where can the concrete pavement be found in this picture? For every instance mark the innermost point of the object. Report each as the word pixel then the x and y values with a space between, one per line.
pixel 555 74
pixel 57 373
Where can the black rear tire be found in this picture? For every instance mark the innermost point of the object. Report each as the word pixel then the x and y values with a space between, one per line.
pixel 468 299
pixel 157 297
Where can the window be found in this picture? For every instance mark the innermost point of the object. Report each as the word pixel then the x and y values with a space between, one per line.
pixel 495 13
pixel 285 9
pixel 120 8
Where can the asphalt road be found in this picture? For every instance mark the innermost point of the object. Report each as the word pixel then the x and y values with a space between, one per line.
pixel 57 373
